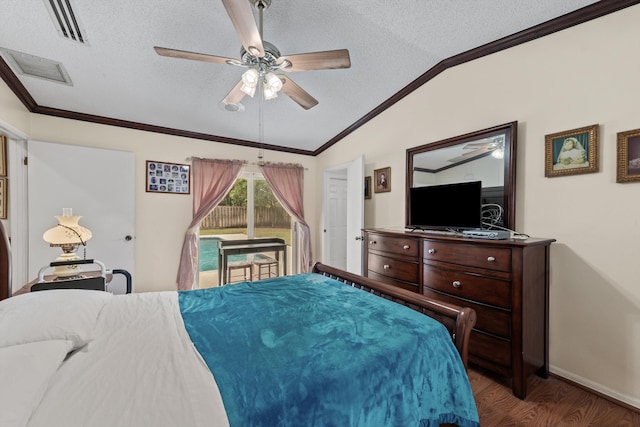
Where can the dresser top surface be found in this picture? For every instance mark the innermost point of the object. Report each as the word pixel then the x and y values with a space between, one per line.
pixel 457 237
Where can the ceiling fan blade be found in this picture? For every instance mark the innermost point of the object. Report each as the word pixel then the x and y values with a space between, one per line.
pixel 235 96
pixel 175 53
pixel 242 19
pixel 297 94
pixel 326 60
pixel 471 154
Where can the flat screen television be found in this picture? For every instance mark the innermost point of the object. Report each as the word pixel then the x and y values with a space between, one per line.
pixel 445 207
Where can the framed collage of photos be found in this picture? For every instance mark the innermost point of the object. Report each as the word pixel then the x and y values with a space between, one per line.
pixel 163 177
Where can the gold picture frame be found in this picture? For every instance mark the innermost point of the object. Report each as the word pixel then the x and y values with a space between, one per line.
pixel 367 187
pixel 571 152
pixel 382 179
pixel 3 198
pixel 3 155
pixel 628 159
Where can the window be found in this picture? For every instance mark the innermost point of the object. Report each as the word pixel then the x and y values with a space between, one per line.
pixel 250 210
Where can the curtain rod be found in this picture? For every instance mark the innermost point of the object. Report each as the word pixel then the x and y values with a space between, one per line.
pixel 188 159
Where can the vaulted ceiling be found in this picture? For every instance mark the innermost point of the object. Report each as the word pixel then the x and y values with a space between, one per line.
pixel 116 77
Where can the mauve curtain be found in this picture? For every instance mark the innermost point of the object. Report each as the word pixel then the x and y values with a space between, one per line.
pixel 287 184
pixel 212 180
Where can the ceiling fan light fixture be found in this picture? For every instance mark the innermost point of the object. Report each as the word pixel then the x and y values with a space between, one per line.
pixel 248 90
pixel 250 81
pixel 498 153
pixel 250 77
pixel 269 93
pixel 272 82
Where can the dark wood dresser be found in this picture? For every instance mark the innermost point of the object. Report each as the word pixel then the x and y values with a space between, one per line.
pixel 505 281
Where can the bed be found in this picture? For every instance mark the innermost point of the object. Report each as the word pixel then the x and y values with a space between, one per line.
pixel 326 348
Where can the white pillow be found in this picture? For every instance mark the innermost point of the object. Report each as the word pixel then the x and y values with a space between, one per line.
pixel 62 314
pixel 25 375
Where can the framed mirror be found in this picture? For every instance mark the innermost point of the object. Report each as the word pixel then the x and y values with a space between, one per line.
pixel 488 156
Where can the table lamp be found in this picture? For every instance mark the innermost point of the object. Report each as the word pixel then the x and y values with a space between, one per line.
pixel 67 235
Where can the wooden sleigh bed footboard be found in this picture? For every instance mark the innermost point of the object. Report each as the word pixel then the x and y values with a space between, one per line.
pixel 459 321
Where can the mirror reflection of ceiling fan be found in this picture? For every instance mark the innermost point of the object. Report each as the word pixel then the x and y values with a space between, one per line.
pixel 493 145
pixel 263 60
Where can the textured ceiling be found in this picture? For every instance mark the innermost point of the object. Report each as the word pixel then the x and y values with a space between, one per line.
pixel 117 76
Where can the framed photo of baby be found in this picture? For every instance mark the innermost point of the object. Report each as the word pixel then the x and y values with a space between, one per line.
pixel 382 180
pixel 571 152
pixel 628 156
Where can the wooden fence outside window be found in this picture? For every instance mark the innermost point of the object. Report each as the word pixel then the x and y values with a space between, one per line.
pixel 236 217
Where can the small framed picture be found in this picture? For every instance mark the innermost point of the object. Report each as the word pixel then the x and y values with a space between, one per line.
pixel 628 164
pixel 383 180
pixel 571 152
pixel 163 177
pixel 3 198
pixel 367 187
pixel 3 155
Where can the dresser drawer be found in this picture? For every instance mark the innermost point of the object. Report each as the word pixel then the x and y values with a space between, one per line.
pixel 488 257
pixel 413 287
pixel 493 349
pixel 393 268
pixel 458 283
pixel 493 320
pixel 406 246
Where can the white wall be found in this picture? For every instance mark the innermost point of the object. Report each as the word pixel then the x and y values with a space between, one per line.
pixel 578 77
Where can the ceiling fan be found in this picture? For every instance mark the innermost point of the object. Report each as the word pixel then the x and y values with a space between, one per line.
pixel 263 59
pixel 493 145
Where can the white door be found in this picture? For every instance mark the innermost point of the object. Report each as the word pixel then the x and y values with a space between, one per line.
pixel 343 249
pixel 98 184
pixel 336 225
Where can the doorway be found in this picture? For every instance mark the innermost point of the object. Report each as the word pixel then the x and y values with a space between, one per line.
pixel 98 184
pixel 343 212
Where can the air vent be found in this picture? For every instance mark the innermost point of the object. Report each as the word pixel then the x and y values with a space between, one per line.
pixel 65 20
pixel 35 66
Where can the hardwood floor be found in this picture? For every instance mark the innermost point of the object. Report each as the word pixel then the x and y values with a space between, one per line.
pixel 549 402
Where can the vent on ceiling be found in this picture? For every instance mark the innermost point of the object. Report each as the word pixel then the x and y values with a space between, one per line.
pixel 65 20
pixel 35 66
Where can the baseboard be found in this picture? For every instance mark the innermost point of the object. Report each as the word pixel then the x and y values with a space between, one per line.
pixel 598 389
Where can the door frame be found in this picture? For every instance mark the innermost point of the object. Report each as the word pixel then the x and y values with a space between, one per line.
pixel 355 194
pixel 17 204
pixel 340 174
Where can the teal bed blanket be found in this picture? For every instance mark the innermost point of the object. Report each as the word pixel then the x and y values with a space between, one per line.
pixel 307 350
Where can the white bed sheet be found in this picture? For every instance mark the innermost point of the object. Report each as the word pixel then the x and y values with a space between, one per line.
pixel 140 370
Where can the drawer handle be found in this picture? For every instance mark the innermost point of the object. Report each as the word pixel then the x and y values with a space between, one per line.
pixel 491 259
pixel 431 251
pixel 386 266
pixel 372 242
pixel 406 247
pixel 457 284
